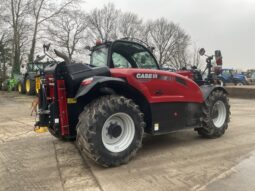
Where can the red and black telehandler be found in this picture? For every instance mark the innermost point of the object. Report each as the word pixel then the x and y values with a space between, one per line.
pixel 109 104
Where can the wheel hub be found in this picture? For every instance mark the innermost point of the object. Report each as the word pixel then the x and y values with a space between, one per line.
pixel 118 132
pixel 114 130
pixel 219 114
pixel 215 112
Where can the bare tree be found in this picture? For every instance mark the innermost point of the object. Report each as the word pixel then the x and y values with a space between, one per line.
pixel 5 53
pixel 14 13
pixel 130 25
pixel 180 59
pixel 180 56
pixel 42 11
pixel 103 22
pixel 68 29
pixel 195 57
pixel 169 40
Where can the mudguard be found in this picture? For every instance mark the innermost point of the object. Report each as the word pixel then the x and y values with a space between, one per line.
pixel 207 89
pixel 97 80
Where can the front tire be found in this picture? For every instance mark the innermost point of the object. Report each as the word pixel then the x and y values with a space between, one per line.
pixel 216 115
pixel 110 130
pixel 239 84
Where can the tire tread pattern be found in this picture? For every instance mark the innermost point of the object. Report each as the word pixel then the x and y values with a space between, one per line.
pixel 94 113
pixel 208 130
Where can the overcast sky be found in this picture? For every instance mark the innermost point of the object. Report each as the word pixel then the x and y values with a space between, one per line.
pixel 228 25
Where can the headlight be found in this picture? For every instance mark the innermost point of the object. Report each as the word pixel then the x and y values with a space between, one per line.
pixel 87 81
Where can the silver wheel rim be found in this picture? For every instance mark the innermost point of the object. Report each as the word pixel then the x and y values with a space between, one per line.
pixel 125 138
pixel 220 108
pixel 221 83
pixel 239 84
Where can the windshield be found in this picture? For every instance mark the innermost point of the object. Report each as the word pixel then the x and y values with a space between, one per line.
pixel 127 54
pixel 124 55
pixel 99 57
pixel 144 60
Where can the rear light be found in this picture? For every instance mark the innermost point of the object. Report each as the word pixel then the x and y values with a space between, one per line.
pixel 86 81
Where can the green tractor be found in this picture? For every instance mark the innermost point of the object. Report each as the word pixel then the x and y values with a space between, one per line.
pixel 30 77
pixel 26 84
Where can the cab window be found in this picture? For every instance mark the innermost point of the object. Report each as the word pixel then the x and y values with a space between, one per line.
pixel 99 57
pixel 144 60
pixel 130 54
pixel 119 61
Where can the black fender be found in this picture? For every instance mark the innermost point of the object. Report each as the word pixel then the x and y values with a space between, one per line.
pixel 110 85
pixel 97 82
pixel 208 89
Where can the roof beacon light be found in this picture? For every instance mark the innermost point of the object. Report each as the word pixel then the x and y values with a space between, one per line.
pixel 98 42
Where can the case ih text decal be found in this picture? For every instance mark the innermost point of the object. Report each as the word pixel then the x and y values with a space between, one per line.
pixel 146 76
pixel 149 76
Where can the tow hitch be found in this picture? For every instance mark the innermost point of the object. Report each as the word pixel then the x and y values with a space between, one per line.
pixel 39 129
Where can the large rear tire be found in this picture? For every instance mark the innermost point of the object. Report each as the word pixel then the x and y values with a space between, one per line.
pixel 216 115
pixel 110 130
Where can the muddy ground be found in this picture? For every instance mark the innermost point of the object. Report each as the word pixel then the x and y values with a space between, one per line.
pixel 178 161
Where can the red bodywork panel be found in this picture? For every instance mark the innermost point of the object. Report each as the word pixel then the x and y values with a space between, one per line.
pixel 50 84
pixel 62 103
pixel 187 74
pixel 161 86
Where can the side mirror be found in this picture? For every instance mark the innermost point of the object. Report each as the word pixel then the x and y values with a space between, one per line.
pixel 88 48
pixel 46 47
pixel 202 52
